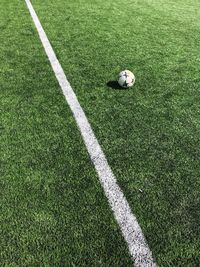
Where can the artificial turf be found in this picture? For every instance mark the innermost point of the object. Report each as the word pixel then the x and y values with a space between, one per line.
pixel 54 212
pixel 53 209
pixel 149 133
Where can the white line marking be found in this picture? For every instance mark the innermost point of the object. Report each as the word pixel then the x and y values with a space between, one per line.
pixel 130 228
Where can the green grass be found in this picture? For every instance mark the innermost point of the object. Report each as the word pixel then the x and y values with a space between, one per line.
pixel 54 210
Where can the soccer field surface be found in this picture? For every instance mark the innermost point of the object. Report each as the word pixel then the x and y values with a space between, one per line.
pixel 54 211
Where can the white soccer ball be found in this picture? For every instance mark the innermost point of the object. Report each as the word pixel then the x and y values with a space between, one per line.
pixel 126 79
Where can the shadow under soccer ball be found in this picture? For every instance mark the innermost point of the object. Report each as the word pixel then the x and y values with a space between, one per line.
pixel 114 85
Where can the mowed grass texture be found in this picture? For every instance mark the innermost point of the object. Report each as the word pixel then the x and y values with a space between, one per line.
pixel 53 209
pixel 149 133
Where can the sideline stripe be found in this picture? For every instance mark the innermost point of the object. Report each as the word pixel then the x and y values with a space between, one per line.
pixel 130 228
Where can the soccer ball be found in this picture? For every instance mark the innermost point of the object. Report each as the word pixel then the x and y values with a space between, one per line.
pixel 126 79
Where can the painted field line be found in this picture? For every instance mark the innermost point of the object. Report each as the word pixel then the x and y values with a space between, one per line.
pixel 127 221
